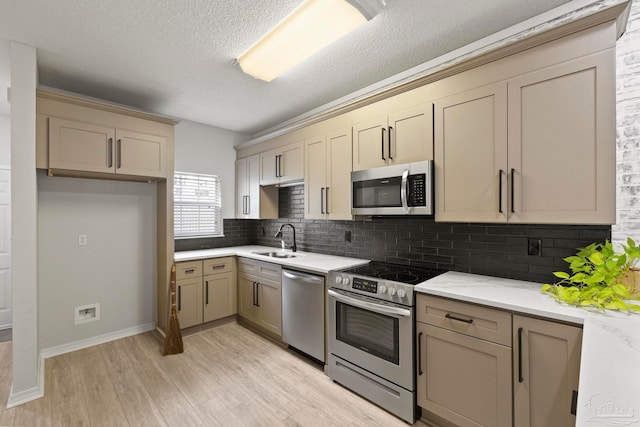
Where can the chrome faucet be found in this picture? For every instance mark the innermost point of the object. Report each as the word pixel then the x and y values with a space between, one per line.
pixel 294 248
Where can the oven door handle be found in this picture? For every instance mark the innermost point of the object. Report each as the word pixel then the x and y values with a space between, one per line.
pixel 376 308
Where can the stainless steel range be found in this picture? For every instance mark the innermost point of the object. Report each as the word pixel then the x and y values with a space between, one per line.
pixel 371 333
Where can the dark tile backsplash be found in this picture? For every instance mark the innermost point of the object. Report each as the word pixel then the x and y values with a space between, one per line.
pixel 237 232
pixel 492 249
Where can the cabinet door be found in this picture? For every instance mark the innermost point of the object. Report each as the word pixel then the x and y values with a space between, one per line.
pixel 219 296
pixel 269 167
pixel 247 297
pixel 546 366
pixel 411 135
pixel 471 155
pixel 465 380
pixel 81 146
pixel 315 178
pixel 291 166
pixel 140 154
pixel 270 306
pixel 370 144
pixel 338 193
pixel 189 302
pixel 242 189
pixel 253 184
pixel 562 143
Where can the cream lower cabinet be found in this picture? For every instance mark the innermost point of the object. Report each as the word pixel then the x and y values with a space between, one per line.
pixel 260 294
pixel 546 368
pixel 402 137
pixel 189 293
pixel 544 153
pixel 206 290
pixel 328 176
pixel 79 146
pixel 463 363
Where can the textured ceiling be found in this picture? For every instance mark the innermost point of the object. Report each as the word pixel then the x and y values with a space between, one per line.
pixel 176 57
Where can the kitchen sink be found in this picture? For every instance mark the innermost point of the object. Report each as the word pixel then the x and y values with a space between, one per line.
pixel 274 254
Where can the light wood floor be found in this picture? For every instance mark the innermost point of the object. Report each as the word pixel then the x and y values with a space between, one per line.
pixel 227 376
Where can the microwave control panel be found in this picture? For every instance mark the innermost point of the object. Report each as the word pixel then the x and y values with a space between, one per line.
pixel 417 190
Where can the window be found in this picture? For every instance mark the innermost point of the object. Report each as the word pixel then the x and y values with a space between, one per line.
pixel 197 205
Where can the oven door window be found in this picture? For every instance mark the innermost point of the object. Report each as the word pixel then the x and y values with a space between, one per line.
pixel 374 333
pixel 377 193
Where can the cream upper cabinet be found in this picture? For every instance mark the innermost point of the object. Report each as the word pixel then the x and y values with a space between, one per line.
pixel 471 155
pixel 544 153
pixel 327 176
pixel 402 137
pixel 546 367
pixel 253 201
pixel 79 146
pixel 562 143
pixel 282 165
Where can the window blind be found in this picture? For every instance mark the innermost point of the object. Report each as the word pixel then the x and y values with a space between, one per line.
pixel 197 205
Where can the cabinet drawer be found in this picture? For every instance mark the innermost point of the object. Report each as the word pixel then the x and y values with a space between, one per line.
pixel 476 321
pixel 218 265
pixel 270 271
pixel 247 266
pixel 189 269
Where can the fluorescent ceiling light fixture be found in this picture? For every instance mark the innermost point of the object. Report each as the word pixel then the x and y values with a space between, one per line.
pixel 308 29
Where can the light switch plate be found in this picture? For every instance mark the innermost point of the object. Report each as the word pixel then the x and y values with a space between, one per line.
pixel 82 240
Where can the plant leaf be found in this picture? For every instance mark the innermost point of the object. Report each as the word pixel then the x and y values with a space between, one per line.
pixel 545 287
pixel 561 274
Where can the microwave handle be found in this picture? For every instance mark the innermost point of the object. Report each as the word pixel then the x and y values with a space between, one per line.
pixel 404 191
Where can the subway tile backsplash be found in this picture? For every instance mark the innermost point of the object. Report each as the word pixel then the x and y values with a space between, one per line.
pixel 492 249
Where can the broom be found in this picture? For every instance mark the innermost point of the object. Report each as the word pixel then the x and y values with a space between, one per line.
pixel 173 337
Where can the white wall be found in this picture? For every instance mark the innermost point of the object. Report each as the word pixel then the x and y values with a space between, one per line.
pixel 117 268
pixel 5 140
pixel 206 149
pixel 24 279
pixel 628 131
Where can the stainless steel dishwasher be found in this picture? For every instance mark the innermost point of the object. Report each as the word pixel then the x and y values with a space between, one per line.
pixel 303 312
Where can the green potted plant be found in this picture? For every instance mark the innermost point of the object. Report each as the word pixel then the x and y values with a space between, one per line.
pixel 600 278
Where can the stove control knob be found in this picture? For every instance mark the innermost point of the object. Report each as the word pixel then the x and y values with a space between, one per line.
pixel 345 280
pixel 338 279
pixel 402 293
pixel 392 291
pixel 383 289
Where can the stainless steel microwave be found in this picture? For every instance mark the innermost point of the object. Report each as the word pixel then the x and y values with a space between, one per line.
pixel 405 189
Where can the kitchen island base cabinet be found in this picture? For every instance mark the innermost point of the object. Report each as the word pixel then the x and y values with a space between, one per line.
pixel 260 294
pixel 546 364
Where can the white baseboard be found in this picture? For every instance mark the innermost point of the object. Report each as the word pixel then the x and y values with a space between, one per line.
pixel 100 339
pixel 34 393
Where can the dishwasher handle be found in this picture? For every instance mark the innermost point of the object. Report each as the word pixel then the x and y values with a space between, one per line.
pixel 303 277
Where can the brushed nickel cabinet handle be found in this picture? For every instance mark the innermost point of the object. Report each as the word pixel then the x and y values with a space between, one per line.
pixel 459 319
pixel 189 271
pixel 382 143
pixel 322 200
pixel 389 142
pixel 520 377
pixel 500 191
pixel 420 354
pixel 119 154
pixel 179 298
pixel 110 153
pixel 206 295
pixel 513 201
pixel 326 200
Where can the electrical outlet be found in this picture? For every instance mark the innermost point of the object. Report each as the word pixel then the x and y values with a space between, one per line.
pixel 347 236
pixel 534 247
pixel 82 240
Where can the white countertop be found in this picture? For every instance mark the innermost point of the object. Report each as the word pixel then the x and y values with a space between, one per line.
pixel 610 365
pixel 317 263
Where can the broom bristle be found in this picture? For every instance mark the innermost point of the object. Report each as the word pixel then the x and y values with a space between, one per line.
pixel 173 338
